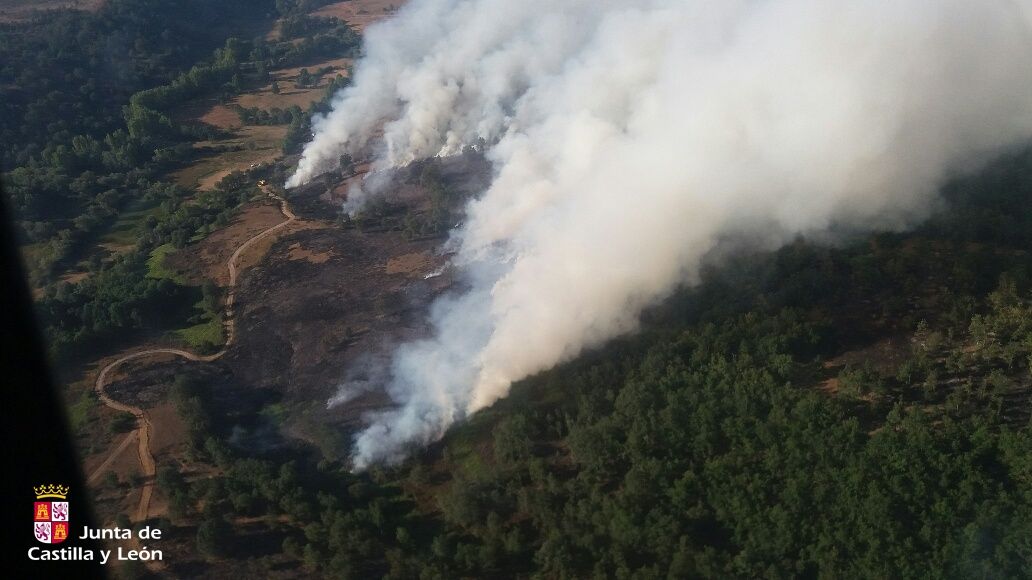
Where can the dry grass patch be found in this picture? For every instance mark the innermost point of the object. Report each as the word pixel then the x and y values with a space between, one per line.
pixel 16 10
pixel 254 144
pixel 410 264
pixel 360 13
pixel 337 66
pixel 222 117
pixel 290 95
pixel 296 252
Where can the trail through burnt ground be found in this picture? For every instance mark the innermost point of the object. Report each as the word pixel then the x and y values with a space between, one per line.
pixel 144 428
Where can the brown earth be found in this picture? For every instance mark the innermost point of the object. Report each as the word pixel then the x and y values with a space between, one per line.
pixel 207 259
pixel 417 264
pixel 112 249
pixel 297 252
pixel 169 430
pixel 258 251
pixel 337 66
pixel 221 116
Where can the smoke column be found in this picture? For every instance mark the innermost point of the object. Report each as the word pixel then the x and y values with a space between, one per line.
pixel 629 136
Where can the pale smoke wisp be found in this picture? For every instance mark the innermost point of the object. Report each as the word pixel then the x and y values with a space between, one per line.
pixel 629 136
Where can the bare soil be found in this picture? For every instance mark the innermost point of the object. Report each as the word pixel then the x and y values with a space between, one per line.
pixel 207 259
pixel 297 252
pixel 221 116
pixel 416 264
pixel 169 430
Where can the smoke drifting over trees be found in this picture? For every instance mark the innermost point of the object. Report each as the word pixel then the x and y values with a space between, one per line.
pixel 630 137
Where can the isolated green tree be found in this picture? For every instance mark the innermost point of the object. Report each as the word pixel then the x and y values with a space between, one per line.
pixel 212 537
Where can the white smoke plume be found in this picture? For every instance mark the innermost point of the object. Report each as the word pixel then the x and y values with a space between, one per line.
pixel 628 136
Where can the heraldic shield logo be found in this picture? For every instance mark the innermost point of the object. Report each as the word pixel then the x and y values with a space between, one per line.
pixel 50 514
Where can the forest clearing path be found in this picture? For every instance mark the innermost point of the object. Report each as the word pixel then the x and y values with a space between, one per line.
pixel 144 429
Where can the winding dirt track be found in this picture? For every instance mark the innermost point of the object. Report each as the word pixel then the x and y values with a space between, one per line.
pixel 144 428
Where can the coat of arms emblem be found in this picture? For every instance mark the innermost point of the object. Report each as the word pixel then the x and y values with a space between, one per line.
pixel 50 517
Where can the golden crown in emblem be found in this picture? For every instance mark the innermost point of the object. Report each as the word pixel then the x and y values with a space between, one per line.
pixel 51 490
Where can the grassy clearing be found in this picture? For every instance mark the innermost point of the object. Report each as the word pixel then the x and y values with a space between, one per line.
pixel 129 226
pixel 79 412
pixel 156 264
pixel 206 336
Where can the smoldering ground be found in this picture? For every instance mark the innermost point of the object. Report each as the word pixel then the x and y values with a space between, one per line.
pixel 628 136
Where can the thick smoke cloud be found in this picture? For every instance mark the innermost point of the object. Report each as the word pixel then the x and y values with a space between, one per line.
pixel 629 137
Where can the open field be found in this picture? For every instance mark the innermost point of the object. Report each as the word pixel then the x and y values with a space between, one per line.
pixel 129 225
pixel 264 98
pixel 157 267
pixel 207 334
pixel 415 264
pixel 219 116
pixel 218 159
pixel 122 236
pixel 298 252
pixel 360 13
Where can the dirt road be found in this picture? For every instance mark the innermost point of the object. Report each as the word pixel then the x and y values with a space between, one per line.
pixel 144 428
